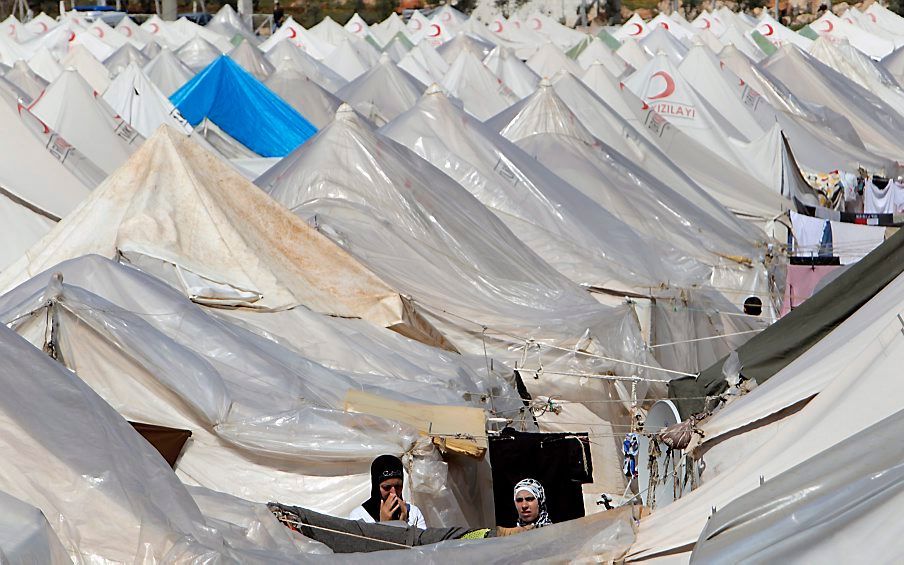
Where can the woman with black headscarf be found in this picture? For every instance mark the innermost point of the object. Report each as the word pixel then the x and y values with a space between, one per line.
pixel 385 503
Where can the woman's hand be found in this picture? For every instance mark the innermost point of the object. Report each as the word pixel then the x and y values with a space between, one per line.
pixel 390 506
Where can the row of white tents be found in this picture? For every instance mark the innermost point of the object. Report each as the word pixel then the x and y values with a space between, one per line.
pixel 482 202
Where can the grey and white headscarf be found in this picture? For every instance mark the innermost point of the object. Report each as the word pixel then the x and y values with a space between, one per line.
pixel 535 488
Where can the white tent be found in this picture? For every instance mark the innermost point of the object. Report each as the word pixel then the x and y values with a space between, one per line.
pixel 286 55
pixel 357 26
pixel 27 83
pixel 168 72
pixel 330 32
pixel 310 99
pixel 512 71
pixel 123 56
pixel 45 65
pixel 482 94
pixel 70 108
pixel 830 25
pixel 634 28
pixel 104 489
pixel 349 60
pixel 450 50
pixel 197 53
pixel 243 248
pixel 382 93
pixel 252 60
pixel 136 100
pixel 424 64
pixel 88 67
pixel 549 59
pixel 301 38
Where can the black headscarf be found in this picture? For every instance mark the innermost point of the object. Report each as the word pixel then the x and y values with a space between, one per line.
pixel 384 467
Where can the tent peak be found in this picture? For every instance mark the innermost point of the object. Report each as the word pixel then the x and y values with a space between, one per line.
pixel 433 89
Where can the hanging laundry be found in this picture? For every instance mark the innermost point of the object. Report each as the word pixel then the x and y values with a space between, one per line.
pixel 808 234
pixel 850 242
pixel 801 282
pixel 878 196
pixel 630 449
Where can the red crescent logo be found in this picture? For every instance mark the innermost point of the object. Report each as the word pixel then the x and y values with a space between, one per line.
pixel 128 31
pixel 358 27
pixel 293 32
pixel 538 24
pixel 639 29
pixel 155 27
pixel 829 26
pixel 447 17
pixel 872 17
pixel 438 30
pixel 99 32
pixel 418 25
pixel 664 24
pixel 645 106
pixel 498 26
pixel 669 86
pixel 708 23
pixel 770 32
pixel 43 25
pixel 71 35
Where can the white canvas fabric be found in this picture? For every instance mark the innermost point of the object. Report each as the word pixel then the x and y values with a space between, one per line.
pixel 661 42
pixel 424 64
pixel 45 65
pixel 136 100
pixel 232 251
pixel 844 406
pixel 357 26
pixel 634 28
pixel 512 71
pixel 123 56
pixel 252 60
pixel 197 53
pixel 294 33
pixel 549 59
pixel 831 26
pixel 26 81
pixel 815 82
pixel 348 61
pixel 382 93
pixel 69 107
pixel 88 67
pixel 779 35
pixel 286 55
pixel 597 51
pixel 168 72
pixel 482 94
pixel 450 50
pixel 331 32
pixel 134 33
pixel 310 99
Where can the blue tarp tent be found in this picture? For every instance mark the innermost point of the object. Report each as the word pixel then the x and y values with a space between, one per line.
pixel 244 108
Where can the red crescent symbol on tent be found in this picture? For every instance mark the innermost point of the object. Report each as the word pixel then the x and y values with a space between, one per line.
pixel 418 25
pixel 829 26
pixel 872 17
pixel 498 26
pixel 669 86
pixel 639 29
pixel 43 25
pixel 708 23
pixel 292 32
pixel 358 27
pixel 99 32
pixel 71 35
pixel 770 32
pixel 740 82
pixel 438 30
pixel 538 23
pixel 155 27
pixel 447 17
pixel 127 30
pixel 664 24
pixel 645 106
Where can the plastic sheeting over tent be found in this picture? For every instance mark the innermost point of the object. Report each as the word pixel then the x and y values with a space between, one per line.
pixel 310 99
pixel 244 108
pixel 106 491
pixel 243 249
pixel 580 238
pixel 255 407
pixel 286 55
pixel 382 93
pixel 167 72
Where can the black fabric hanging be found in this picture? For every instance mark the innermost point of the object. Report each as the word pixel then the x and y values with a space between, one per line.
pixel 560 461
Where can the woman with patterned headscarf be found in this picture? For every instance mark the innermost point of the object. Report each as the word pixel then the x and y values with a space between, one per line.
pixel 530 503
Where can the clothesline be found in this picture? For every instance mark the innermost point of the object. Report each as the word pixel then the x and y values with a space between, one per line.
pixel 705 338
